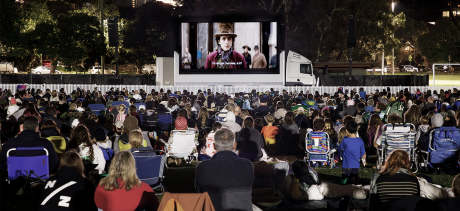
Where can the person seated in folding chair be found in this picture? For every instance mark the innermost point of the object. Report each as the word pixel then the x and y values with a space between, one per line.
pixel 68 189
pixel 121 143
pixel 136 141
pixel 180 124
pixel 227 178
pixel 318 127
pixel 208 150
pixel 122 190
pixel 269 132
pixel 29 137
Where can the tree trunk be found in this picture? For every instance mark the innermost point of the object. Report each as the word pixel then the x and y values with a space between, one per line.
pixel 53 65
pixel 139 67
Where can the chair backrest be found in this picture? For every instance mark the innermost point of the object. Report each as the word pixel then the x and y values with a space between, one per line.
pixel 23 165
pixel 149 165
pixel 317 142
pixel 183 141
pixel 398 136
pixel 97 108
pixel 59 143
pixel 221 117
pixel 116 103
pixel 81 99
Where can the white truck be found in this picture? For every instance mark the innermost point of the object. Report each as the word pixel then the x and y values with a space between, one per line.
pixel 296 70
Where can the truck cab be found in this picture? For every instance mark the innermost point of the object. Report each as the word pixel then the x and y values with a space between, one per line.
pixel 299 71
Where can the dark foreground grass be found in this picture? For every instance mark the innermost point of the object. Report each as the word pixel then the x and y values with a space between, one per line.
pixel 180 179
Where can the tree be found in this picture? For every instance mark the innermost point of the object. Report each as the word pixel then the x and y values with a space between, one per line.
pixel 411 35
pixel 146 36
pixel 441 41
pixel 71 39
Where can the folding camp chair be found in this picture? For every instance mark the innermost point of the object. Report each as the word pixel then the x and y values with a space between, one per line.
pixel 149 167
pixel 59 144
pixel 398 136
pixel 116 103
pixel 140 104
pixel 97 108
pixel 182 144
pixel 318 149
pixel 443 146
pixel 21 165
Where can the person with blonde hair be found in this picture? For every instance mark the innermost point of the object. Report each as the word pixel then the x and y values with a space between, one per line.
pixel 121 116
pixel 122 189
pixel 77 196
pixel 136 140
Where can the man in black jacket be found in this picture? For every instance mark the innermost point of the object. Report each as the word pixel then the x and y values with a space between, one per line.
pixel 29 137
pixel 227 178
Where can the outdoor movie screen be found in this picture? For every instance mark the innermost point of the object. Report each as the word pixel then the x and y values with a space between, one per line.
pixel 228 47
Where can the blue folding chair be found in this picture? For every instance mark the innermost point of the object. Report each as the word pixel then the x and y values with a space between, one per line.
pixel 21 165
pixel 116 103
pixel 165 122
pixel 142 117
pixel 97 108
pixel 149 167
pixel 81 99
pixel 139 104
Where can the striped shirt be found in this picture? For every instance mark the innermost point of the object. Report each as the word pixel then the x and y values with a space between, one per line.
pixel 397 186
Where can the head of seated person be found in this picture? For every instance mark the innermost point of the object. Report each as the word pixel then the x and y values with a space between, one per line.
pixel 394 119
pixel 318 125
pixel 136 139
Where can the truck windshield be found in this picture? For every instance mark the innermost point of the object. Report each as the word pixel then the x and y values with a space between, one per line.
pixel 305 68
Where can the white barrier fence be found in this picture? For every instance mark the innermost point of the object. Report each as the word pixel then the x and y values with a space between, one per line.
pixel 227 89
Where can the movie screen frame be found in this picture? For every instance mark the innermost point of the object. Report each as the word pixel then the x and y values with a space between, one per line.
pixel 267 40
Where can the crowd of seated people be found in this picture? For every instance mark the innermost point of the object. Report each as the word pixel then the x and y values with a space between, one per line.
pixel 93 146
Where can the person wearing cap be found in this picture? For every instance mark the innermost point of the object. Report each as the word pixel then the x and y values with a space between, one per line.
pixel 246 103
pixel 13 107
pixel 247 56
pixel 263 109
pixel 259 60
pixel 273 60
pixel 225 57
pixel 349 110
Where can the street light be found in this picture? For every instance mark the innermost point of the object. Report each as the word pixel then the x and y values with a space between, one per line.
pixel 393 36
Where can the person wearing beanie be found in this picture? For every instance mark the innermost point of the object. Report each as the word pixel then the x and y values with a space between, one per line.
pixel 263 109
pixel 150 118
pixel 101 139
pixel 13 107
pixel 121 143
pixel 181 123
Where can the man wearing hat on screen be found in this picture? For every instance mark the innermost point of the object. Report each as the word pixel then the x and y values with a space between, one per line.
pixel 225 57
pixel 247 56
pixel 259 60
pixel 273 61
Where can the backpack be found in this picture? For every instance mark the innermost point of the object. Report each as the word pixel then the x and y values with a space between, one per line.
pixel 108 153
pixel 395 107
pixel 240 102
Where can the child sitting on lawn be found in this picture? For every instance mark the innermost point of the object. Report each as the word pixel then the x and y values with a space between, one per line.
pixel 269 132
pixel 351 150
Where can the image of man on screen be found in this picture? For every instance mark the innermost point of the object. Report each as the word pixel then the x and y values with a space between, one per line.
pixel 259 60
pixel 187 59
pixel 225 57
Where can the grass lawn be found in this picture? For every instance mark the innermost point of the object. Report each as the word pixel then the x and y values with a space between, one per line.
pixel 441 79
